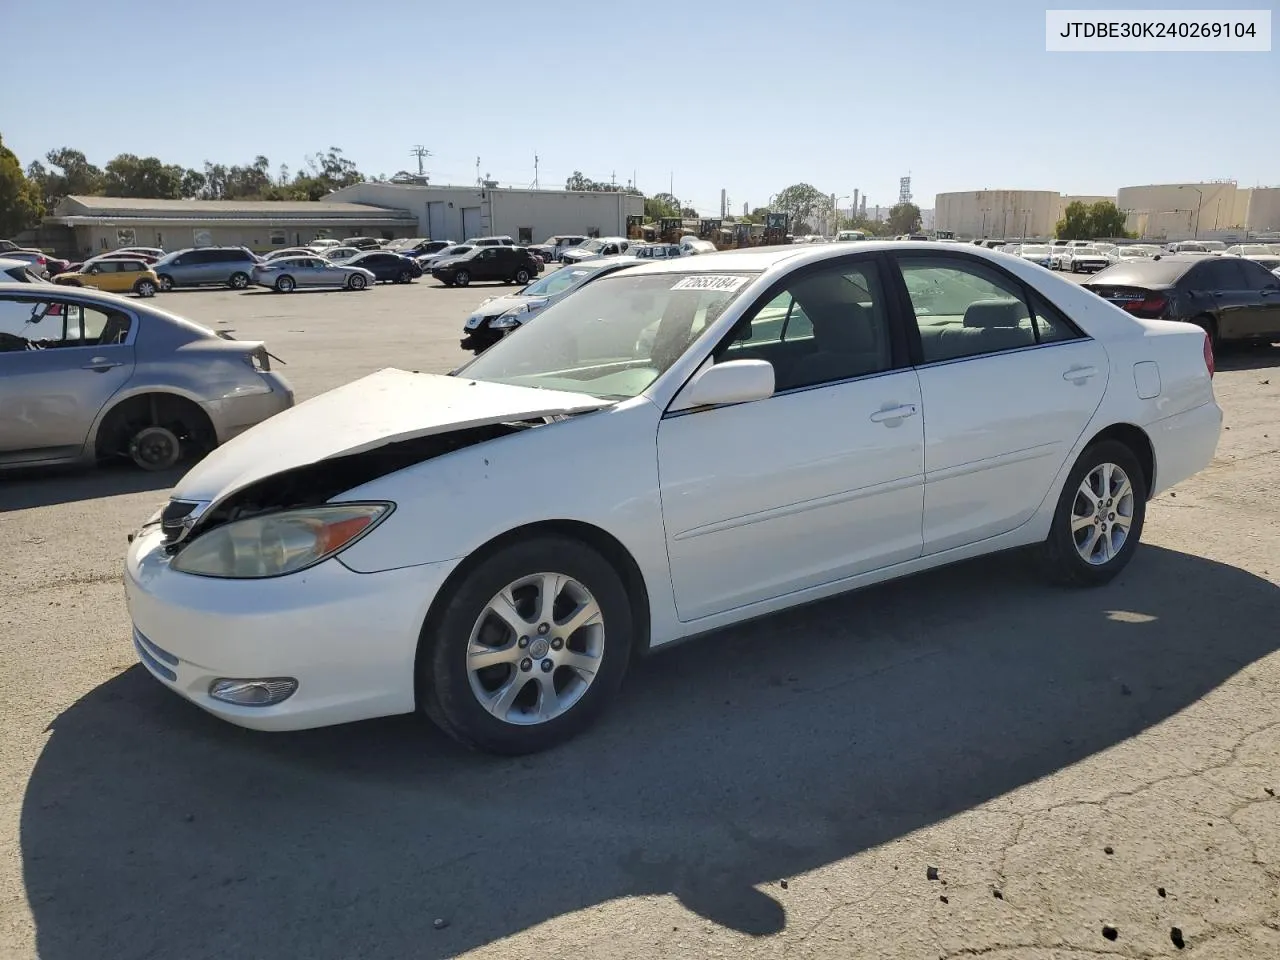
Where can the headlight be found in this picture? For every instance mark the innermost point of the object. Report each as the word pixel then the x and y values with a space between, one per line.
pixel 512 318
pixel 278 543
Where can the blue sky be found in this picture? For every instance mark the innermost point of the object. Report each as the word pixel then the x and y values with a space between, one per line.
pixel 746 95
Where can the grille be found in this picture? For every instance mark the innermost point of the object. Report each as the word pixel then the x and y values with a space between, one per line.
pixel 173 520
pixel 151 655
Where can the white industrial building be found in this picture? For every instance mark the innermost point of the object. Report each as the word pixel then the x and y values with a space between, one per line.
pixel 528 216
pixel 998 213
pixel 1176 211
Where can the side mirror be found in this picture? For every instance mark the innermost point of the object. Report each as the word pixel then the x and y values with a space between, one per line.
pixel 734 381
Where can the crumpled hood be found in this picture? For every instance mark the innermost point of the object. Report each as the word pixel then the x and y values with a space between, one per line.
pixel 502 304
pixel 384 407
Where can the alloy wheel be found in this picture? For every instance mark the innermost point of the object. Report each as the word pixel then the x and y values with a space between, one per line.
pixel 535 648
pixel 1102 514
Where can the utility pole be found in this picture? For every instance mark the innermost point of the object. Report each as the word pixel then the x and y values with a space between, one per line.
pixel 479 180
pixel 535 171
pixel 420 152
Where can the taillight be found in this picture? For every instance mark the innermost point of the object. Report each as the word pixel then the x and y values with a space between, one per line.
pixel 1149 307
pixel 42 260
pixel 1208 355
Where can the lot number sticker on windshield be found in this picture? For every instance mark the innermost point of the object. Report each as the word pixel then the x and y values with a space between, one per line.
pixel 710 282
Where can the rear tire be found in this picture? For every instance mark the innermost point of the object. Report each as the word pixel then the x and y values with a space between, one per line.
pixel 144 288
pixel 450 686
pixel 238 281
pixel 1098 522
pixel 155 448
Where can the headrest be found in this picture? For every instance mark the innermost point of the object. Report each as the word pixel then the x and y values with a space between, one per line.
pixel 993 313
pixel 841 327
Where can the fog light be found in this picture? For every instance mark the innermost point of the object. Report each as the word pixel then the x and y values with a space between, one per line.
pixel 253 693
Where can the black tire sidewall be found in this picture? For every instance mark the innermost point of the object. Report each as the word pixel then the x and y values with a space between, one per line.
pixel 444 687
pixel 284 284
pixel 524 274
pixel 238 281
pixel 1064 561
pixel 462 278
pixel 357 283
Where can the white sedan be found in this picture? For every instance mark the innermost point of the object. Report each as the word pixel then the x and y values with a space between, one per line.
pixel 675 448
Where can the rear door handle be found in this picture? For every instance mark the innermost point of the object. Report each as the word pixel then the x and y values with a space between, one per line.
pixel 1080 374
pixel 894 413
pixel 100 364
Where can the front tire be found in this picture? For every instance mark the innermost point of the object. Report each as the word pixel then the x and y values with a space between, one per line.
pixel 522 277
pixel 285 284
pixel 462 278
pixel 166 282
pixel 1099 519
pixel 404 277
pixel 528 649
pixel 357 282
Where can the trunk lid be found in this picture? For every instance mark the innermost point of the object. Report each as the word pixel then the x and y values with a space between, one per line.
pixel 385 407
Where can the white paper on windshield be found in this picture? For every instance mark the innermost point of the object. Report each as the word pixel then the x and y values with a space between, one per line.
pixel 710 282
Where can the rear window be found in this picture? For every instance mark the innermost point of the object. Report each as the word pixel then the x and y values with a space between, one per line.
pixel 1138 273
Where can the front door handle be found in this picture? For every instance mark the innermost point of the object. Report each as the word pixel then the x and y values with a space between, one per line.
pixel 894 414
pixel 1080 374
pixel 100 364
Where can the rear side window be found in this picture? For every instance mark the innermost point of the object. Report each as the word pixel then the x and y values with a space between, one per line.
pixel 964 309
pixel 48 325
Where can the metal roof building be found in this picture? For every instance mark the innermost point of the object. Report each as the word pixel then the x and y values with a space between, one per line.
pixel 91 224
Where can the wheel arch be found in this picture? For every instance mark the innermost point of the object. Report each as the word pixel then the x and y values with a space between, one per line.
pixel 599 539
pixel 1136 439
pixel 155 406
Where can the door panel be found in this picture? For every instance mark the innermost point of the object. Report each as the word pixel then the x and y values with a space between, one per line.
pixel 49 398
pixel 998 430
pixel 764 499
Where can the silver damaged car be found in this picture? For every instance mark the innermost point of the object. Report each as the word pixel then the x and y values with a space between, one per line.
pixel 286 274
pixel 88 376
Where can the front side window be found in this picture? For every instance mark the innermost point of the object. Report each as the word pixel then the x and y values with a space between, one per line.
pixel 614 337
pixel 557 282
pixel 965 309
pixel 827 325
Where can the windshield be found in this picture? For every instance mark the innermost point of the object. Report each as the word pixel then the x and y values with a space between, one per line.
pixel 1213 245
pixel 1134 252
pixel 592 246
pixel 1034 250
pixel 613 338
pixel 456 251
pixel 558 281
pixel 1086 251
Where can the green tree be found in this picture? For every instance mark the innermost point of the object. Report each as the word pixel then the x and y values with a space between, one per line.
pixel 20 203
pixel 805 203
pixel 1075 223
pixel 69 173
pixel 904 218
pixel 193 184
pixel 661 205
pixel 1106 220
pixel 131 176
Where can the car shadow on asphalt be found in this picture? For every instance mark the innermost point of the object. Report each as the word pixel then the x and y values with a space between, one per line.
pixel 1251 357
pixel 760 753
pixel 45 486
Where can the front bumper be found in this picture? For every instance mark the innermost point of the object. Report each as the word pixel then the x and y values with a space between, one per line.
pixel 481 339
pixel 349 639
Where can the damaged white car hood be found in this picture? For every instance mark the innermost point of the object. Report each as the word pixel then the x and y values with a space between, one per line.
pixel 384 407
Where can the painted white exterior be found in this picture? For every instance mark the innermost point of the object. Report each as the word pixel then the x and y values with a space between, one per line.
pixel 1178 211
pixel 456 213
pixel 1264 209
pixel 997 213
pixel 718 528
